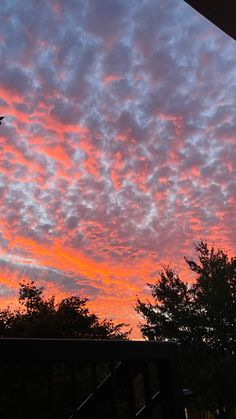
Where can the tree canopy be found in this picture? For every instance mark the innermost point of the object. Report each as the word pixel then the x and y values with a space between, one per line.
pixel 201 316
pixel 41 317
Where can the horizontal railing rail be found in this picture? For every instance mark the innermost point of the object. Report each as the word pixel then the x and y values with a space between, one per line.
pixel 72 349
pixel 69 378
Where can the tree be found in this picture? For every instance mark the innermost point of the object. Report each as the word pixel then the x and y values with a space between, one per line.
pixel 38 317
pixel 70 318
pixel 202 318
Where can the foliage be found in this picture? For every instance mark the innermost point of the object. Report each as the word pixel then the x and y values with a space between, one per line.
pixel 202 317
pixel 38 317
pixel 43 318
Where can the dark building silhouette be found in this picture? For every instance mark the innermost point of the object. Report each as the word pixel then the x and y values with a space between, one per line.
pixel 221 13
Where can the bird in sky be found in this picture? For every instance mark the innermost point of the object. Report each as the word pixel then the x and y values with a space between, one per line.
pixel 1 118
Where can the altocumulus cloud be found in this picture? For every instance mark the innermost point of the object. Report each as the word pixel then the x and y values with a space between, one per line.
pixel 118 147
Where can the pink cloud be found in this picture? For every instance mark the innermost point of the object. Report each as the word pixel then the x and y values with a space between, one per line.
pixel 117 147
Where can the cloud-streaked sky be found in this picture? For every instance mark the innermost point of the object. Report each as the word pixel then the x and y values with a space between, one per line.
pixel 118 149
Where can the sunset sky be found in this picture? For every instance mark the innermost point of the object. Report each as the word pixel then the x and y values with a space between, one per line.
pixel 118 147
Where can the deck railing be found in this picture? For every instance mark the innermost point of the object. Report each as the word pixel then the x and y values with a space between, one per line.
pixel 67 378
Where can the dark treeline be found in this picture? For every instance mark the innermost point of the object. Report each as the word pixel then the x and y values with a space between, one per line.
pixel 201 316
pixel 38 317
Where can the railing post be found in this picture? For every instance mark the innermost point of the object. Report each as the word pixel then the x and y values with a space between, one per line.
pixel 147 391
pixel 114 391
pixel 177 390
pixel 130 390
pixel 171 392
pixel 73 384
pixel 23 367
pixel 50 390
pixel 94 389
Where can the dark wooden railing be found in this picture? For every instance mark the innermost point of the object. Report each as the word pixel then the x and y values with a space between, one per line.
pixel 57 378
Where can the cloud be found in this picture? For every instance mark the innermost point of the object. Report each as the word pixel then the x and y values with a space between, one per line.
pixel 106 19
pixel 15 80
pixel 117 149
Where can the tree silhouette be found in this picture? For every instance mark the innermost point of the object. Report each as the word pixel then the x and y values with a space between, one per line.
pixel 41 317
pixel 202 317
